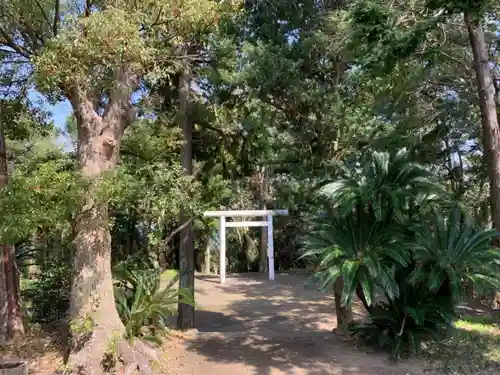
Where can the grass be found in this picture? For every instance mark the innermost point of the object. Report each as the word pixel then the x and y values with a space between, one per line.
pixel 169 275
pixel 472 348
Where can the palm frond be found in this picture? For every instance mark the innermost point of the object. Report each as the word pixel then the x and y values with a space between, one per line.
pixel 359 248
pixel 451 249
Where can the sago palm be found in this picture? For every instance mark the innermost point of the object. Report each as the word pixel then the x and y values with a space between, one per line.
pixel 451 250
pixel 361 239
pixel 360 249
pixel 143 301
pixel 403 323
pixel 387 185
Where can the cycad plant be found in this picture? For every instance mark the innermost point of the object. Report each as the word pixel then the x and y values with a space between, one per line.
pixel 446 251
pixel 388 186
pixel 452 250
pixel 364 220
pixel 360 249
pixel 400 324
pixel 144 301
pixel 406 265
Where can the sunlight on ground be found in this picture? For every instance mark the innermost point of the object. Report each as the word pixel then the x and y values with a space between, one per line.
pixel 474 347
pixel 168 275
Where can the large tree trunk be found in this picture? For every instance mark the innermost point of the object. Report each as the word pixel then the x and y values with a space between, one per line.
pixel 95 326
pixel 489 116
pixel 489 119
pixel 186 250
pixel 343 313
pixel 93 314
pixel 11 318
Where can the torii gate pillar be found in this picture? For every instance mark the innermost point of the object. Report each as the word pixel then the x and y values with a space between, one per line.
pixel 223 224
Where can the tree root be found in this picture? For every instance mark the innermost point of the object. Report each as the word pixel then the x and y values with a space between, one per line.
pixel 136 358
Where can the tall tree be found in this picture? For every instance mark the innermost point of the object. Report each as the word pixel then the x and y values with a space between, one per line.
pixel 95 54
pixel 186 251
pixel 418 30
pixel 11 319
pixel 21 123
pixel 487 104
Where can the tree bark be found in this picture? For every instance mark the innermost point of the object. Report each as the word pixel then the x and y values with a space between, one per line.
pixel 489 119
pixel 343 313
pixel 186 250
pixel 94 321
pixel 14 368
pixel 93 314
pixel 11 318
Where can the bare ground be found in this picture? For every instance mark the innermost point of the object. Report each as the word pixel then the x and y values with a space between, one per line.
pixel 250 302
pixel 251 325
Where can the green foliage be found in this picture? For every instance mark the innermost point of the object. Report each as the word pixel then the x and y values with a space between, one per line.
pixel 45 196
pixel 387 185
pixel 144 302
pixel 460 6
pixel 47 297
pixel 26 255
pixel 454 250
pixel 403 323
pixel 407 268
pixel 385 39
pixel 295 89
pixel 447 253
pixel 358 247
pixel 23 120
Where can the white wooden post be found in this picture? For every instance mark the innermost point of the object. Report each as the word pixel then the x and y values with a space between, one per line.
pixel 222 252
pixel 270 246
pixel 207 256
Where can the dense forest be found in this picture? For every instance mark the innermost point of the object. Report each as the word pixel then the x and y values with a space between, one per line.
pixel 374 122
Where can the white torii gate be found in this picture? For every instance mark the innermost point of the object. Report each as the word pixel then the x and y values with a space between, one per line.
pixel 223 224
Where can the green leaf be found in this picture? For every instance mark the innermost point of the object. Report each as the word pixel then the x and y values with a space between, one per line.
pixel 349 273
pixel 436 278
pixel 368 288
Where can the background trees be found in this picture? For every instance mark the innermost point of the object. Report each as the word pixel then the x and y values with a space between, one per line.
pixel 264 102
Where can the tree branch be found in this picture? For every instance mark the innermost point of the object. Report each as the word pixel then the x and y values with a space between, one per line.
pixel 43 12
pixel 206 125
pixel 180 228
pixel 57 17
pixel 84 110
pixel 88 5
pixel 119 106
pixel 30 38
pixel 496 84
pixel 8 41
pixel 158 17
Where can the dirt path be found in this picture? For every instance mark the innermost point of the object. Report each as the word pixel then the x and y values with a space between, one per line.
pixel 250 302
pixel 311 356
pixel 250 325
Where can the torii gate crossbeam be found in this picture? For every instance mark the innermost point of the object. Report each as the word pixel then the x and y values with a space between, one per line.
pixel 223 224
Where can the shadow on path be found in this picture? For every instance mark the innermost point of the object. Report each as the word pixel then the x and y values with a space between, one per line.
pixel 251 325
pixel 250 302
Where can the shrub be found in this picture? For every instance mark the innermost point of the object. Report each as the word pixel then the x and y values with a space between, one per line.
pixel 144 304
pixel 408 263
pixel 401 324
pixel 444 252
pixel 47 297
